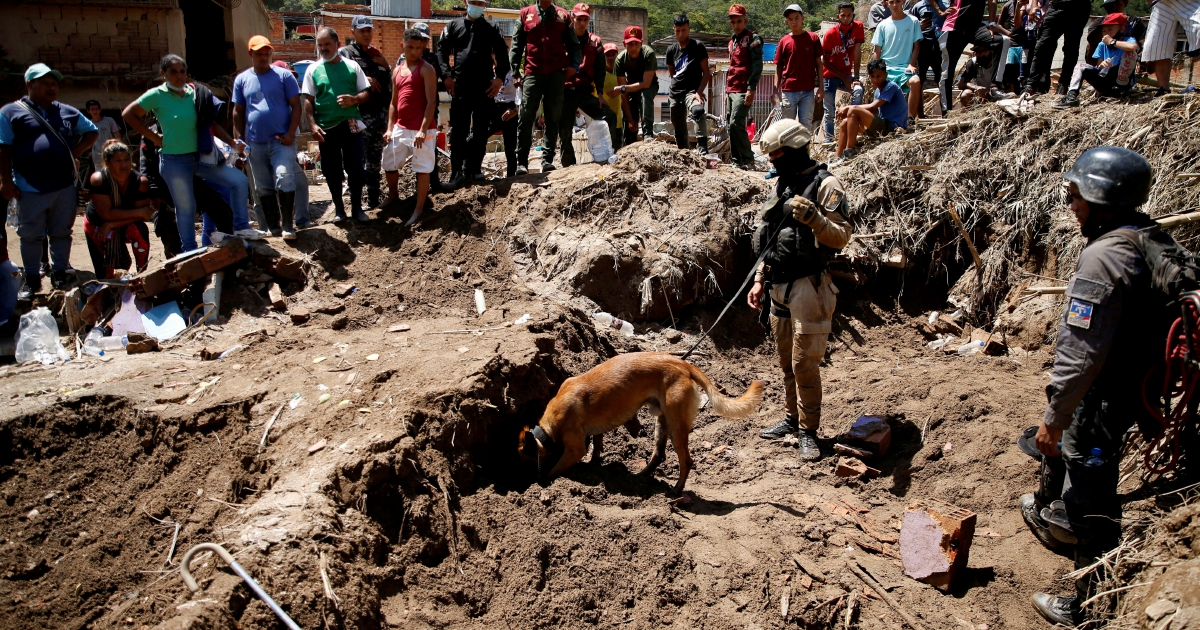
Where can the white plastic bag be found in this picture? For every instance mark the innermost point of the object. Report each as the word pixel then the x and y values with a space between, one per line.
pixel 37 338
pixel 599 141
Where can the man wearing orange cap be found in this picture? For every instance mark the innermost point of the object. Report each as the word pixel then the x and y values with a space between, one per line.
pixel 636 68
pixel 545 54
pixel 581 89
pixel 745 67
pixel 266 114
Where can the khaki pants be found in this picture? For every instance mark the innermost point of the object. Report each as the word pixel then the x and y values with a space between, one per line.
pixel 801 340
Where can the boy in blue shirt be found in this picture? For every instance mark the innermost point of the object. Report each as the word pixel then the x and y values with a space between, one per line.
pixel 266 114
pixel 1113 75
pixel 880 117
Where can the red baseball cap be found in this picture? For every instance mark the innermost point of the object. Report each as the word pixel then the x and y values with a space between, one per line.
pixel 582 8
pixel 633 34
pixel 1115 18
pixel 738 9
pixel 610 47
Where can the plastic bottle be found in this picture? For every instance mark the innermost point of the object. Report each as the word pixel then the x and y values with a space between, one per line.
pixel 91 343
pixel 969 348
pixel 1095 460
pixel 13 209
pixel 599 141
pixel 112 343
pixel 618 324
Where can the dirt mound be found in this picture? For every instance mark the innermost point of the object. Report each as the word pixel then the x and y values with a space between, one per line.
pixel 642 238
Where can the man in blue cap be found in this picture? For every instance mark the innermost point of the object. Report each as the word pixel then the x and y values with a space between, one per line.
pixel 45 138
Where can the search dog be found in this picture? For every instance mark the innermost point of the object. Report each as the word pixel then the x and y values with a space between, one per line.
pixel 610 395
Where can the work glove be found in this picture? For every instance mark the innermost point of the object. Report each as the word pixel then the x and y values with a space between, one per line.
pixel 807 213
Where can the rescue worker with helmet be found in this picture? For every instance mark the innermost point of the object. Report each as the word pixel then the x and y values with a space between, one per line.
pixel 1108 339
pixel 800 227
pixel 545 54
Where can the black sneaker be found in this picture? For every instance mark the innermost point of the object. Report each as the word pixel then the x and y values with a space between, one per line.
pixel 456 181
pixel 1070 100
pixel 1162 91
pixel 30 286
pixel 810 451
pixel 1061 89
pixel 360 216
pixel 782 429
pixel 521 170
pixel 61 280
pixel 547 167
pixel 1055 517
pixel 1031 512
pixel 339 215
pixel 1061 610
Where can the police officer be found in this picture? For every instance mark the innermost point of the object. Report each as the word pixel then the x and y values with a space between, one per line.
pixel 375 110
pixel 545 54
pixel 1109 337
pixel 800 226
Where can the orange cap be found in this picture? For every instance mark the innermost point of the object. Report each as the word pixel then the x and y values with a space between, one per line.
pixel 737 9
pixel 258 41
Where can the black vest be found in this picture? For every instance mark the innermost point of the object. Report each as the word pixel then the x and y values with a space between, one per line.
pixel 793 252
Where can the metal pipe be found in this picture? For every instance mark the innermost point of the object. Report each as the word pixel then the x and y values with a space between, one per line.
pixel 237 568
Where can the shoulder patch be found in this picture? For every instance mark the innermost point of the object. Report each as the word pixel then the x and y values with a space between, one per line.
pixel 1088 290
pixel 1079 314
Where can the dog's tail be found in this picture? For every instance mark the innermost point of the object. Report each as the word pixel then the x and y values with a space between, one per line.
pixel 724 406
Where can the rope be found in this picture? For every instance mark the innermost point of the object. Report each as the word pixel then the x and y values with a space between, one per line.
pixel 1181 372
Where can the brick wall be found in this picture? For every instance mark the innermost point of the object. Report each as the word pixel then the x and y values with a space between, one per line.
pixel 89 41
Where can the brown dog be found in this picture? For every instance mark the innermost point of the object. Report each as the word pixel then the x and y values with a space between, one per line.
pixel 610 395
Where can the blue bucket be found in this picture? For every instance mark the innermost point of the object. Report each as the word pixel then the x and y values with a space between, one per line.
pixel 769 52
pixel 303 66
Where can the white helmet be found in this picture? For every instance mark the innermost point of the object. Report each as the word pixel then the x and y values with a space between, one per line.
pixel 784 133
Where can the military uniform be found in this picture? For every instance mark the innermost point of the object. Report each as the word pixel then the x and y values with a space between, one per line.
pixel 802 293
pixel 580 93
pixel 543 47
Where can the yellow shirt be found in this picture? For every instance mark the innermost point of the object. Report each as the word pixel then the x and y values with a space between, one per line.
pixel 610 82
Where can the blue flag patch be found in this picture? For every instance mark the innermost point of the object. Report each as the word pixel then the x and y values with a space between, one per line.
pixel 1079 314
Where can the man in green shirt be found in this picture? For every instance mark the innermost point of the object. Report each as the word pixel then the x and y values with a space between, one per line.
pixel 545 53
pixel 637 81
pixel 333 89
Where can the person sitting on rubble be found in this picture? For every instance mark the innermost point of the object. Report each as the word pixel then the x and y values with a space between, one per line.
pixel 1113 75
pixel 1108 340
pixel 117 214
pixel 882 116
pixel 802 224
pixel 977 79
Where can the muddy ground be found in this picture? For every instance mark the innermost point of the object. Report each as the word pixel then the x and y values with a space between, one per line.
pixel 368 476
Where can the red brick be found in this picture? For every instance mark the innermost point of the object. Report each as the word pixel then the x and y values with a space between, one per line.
pixel 48 55
pixel 140 43
pixel 100 42
pixel 110 56
pixel 159 43
pixel 78 41
pixel 84 67
pixel 121 68
pixel 130 56
pixel 70 12
pixel 103 68
pixel 935 541
pixel 68 54
pixel 92 13
pixel 119 42
pixel 127 28
pixel 50 12
pixel 83 27
pixel 56 40
pixel 108 29
pixel 27 11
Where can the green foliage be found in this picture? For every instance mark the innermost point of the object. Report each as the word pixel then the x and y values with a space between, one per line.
pixel 294 5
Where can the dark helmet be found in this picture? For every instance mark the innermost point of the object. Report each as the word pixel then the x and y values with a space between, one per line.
pixel 1112 176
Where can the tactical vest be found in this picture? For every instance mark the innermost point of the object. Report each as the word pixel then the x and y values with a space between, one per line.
pixel 792 249
pixel 586 76
pixel 545 52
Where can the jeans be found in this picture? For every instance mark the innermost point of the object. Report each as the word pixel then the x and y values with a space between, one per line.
pixel 273 164
pixel 736 111
pixel 800 105
pixel 300 216
pixel 545 90
pixel 831 89
pixel 178 170
pixel 42 215
pixel 343 149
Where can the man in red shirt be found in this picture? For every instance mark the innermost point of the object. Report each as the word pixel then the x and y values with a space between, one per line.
pixel 841 46
pixel 745 67
pixel 545 53
pixel 798 63
pixel 582 87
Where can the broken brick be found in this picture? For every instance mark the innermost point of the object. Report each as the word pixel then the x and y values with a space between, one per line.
pixel 871 433
pixel 935 541
pixel 854 467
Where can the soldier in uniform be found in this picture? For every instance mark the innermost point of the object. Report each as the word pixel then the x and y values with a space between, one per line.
pixel 1109 337
pixel 545 54
pixel 801 226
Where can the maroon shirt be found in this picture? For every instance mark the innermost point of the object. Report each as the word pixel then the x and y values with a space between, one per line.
pixel 796 60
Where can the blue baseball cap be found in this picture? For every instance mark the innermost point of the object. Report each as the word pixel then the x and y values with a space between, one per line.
pixel 423 29
pixel 39 70
pixel 362 21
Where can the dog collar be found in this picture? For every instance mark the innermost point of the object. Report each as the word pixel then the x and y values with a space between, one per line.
pixel 554 448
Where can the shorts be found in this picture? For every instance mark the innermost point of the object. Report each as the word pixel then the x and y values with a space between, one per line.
pixel 879 127
pixel 1161 29
pixel 401 148
pixel 902 79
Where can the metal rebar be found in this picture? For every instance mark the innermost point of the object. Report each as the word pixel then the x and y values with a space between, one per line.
pixel 237 568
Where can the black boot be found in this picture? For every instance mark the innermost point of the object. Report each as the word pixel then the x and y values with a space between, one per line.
pixel 1031 512
pixel 270 206
pixel 781 429
pixel 287 212
pixel 457 179
pixel 1061 610
pixel 1070 100
pixel 1055 516
pixel 62 280
pixel 30 286
pixel 810 451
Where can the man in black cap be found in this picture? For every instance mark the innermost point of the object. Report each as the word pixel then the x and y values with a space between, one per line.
pixel 1109 337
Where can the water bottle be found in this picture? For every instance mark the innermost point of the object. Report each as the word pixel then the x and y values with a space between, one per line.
pixel 91 343
pixel 13 208
pixel 1094 460
pixel 112 343
pixel 969 348
pixel 618 324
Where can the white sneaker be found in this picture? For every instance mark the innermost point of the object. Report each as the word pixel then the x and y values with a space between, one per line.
pixel 289 235
pixel 250 234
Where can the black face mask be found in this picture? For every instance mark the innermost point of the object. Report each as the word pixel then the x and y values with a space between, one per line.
pixel 791 162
